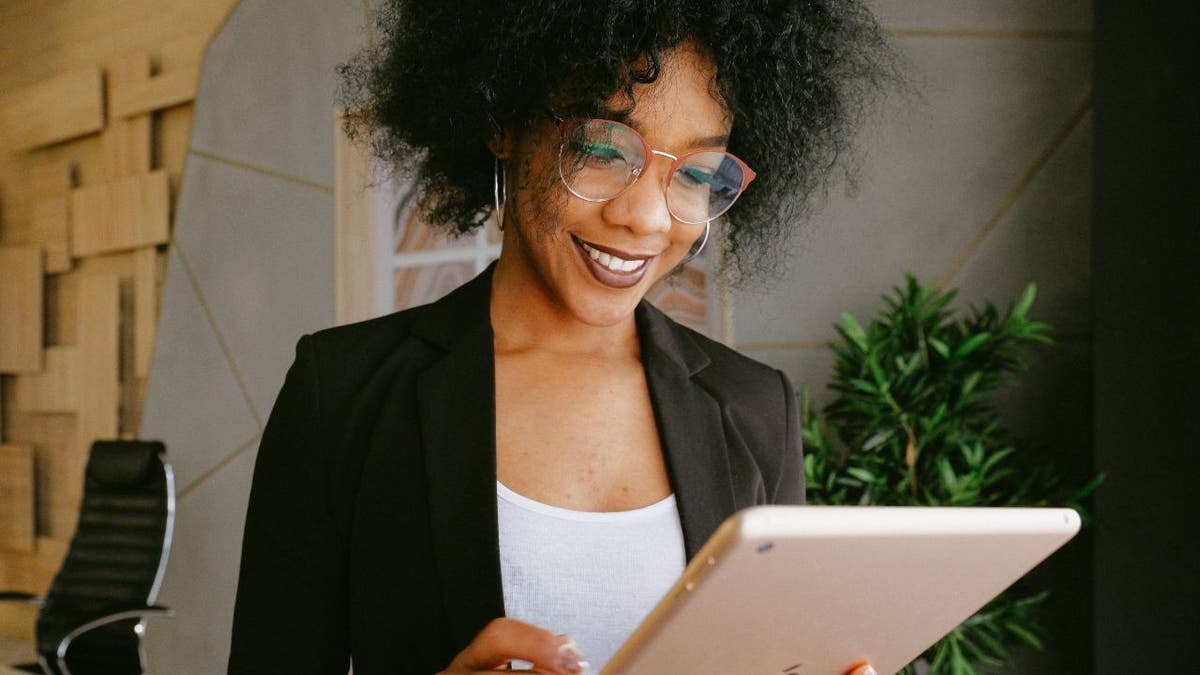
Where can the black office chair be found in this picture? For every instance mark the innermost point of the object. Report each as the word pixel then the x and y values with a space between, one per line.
pixel 93 617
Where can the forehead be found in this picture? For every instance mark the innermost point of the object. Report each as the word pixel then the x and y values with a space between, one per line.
pixel 681 103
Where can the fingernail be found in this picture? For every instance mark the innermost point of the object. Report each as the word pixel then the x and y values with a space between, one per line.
pixel 570 659
pixel 870 671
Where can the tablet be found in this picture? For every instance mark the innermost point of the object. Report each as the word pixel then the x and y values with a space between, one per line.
pixel 812 590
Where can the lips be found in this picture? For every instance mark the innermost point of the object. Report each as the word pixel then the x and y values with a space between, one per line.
pixel 612 267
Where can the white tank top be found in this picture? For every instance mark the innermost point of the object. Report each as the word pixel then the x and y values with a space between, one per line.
pixel 591 575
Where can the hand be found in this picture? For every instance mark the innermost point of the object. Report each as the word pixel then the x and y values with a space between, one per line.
pixel 505 639
pixel 861 669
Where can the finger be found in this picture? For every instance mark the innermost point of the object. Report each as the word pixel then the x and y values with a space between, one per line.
pixel 506 639
pixel 863 668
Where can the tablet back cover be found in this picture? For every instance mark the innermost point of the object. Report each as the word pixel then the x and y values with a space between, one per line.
pixel 810 590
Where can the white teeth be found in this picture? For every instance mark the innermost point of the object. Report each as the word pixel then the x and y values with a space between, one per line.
pixel 612 262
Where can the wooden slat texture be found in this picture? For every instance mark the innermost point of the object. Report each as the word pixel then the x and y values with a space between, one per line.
pixel 164 91
pixel 47 188
pixel 48 559
pixel 145 308
pixel 56 449
pixel 40 41
pixel 20 309
pixel 54 389
pixel 32 571
pixel 16 618
pixel 125 144
pixel 120 214
pixel 29 572
pixel 53 110
pixel 16 498
pixel 98 330
pixel 354 230
pixel 51 226
pixel 174 128
pixel 45 179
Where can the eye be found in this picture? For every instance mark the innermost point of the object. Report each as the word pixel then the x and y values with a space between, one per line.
pixel 596 153
pixel 604 151
pixel 694 176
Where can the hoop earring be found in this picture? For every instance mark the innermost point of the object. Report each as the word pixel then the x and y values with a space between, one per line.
pixel 499 192
pixel 696 251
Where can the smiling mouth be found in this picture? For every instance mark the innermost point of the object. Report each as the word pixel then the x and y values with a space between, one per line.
pixel 610 268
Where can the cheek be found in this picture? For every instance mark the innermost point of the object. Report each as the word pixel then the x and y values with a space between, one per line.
pixel 544 205
pixel 684 236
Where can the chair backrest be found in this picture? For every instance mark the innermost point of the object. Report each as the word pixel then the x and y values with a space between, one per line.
pixel 116 559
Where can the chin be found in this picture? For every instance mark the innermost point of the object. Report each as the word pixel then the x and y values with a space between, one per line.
pixel 600 307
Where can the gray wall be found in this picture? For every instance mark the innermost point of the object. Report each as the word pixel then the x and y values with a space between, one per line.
pixel 250 270
pixel 981 179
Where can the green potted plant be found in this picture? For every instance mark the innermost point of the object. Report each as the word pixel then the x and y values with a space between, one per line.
pixel 910 424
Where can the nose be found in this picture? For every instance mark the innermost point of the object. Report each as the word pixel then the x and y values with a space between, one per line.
pixel 642 207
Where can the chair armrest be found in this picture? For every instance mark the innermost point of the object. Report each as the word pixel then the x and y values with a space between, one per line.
pixel 18 596
pixel 116 613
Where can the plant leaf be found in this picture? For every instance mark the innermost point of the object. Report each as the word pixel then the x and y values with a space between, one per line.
pixel 971 344
pixel 1025 635
pixel 1025 302
pixel 877 439
pixel 939 347
pixel 854 331
pixel 860 473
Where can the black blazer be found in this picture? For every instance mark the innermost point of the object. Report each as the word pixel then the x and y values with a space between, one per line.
pixel 372 526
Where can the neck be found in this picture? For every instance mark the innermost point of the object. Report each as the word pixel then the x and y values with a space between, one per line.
pixel 527 317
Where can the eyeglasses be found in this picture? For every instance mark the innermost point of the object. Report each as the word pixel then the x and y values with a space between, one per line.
pixel 600 159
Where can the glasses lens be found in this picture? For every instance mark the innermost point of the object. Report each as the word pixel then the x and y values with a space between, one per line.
pixel 600 159
pixel 704 186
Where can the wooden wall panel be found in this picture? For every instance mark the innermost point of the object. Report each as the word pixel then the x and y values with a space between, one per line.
pixel 20 309
pixel 100 304
pixel 42 39
pixel 54 390
pixel 145 309
pixel 30 572
pixel 125 143
pixel 121 214
pixel 46 192
pixel 16 498
pixel 56 447
pixel 175 124
pixel 57 109
pixel 164 91
pixel 98 333
pixel 51 228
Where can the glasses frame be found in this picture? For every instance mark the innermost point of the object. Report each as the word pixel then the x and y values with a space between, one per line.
pixel 565 128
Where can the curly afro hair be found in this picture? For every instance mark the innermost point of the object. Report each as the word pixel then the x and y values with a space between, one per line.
pixel 445 77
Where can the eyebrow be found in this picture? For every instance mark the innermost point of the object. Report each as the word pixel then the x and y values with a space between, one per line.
pixel 624 117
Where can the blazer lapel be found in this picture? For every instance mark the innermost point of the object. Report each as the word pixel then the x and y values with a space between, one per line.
pixel 690 427
pixel 457 411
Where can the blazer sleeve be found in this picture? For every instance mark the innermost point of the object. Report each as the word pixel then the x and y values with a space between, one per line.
pixel 789 486
pixel 291 610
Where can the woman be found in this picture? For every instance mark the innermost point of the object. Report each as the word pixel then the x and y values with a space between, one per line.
pixel 517 472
